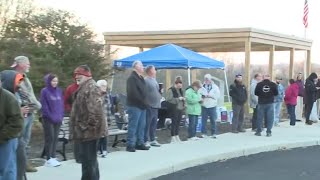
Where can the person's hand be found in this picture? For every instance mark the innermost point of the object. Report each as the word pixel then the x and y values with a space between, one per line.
pixel 25 110
pixel 201 101
pixel 181 98
pixel 318 88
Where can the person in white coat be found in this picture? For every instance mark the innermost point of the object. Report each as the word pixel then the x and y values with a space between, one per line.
pixel 210 93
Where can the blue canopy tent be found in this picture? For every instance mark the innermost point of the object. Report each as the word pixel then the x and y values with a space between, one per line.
pixel 171 56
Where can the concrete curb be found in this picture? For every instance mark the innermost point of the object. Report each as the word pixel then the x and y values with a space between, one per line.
pixel 171 168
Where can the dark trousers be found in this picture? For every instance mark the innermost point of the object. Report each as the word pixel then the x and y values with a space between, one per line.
pixel 192 128
pixel 102 146
pixel 238 117
pixel 90 166
pixel 77 152
pixel 254 118
pixel 308 109
pixel 162 114
pixel 176 117
pixel 151 124
pixel 291 111
pixel 51 133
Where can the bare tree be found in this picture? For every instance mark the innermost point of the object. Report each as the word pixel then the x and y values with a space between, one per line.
pixel 13 9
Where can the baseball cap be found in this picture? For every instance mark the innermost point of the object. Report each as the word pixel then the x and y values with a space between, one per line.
pixel 238 75
pixel 19 59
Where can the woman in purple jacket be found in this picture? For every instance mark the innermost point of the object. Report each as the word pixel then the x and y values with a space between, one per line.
pixel 52 114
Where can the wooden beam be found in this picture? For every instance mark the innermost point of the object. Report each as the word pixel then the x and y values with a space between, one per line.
pixel 291 67
pixel 271 61
pixel 308 62
pixel 247 76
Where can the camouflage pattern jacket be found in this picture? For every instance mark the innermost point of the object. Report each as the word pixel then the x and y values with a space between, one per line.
pixel 87 117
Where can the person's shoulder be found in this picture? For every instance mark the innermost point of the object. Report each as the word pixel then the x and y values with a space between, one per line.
pixel 7 95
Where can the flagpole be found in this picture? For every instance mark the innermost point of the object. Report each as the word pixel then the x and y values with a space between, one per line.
pixel 305 56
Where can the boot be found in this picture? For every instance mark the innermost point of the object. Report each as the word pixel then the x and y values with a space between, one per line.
pixel 30 168
pixel 173 139
pixel 177 138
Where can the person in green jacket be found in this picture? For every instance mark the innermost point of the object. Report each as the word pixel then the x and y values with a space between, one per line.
pixel 194 100
pixel 11 122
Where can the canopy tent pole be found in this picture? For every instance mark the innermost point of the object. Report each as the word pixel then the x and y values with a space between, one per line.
pixel 189 77
pixel 227 87
pixel 112 80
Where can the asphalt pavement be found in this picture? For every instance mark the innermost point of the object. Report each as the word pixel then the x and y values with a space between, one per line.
pixel 295 164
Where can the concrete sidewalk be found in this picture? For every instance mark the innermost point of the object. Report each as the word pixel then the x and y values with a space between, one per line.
pixel 173 157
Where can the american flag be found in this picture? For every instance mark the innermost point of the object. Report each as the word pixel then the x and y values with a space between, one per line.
pixel 305 14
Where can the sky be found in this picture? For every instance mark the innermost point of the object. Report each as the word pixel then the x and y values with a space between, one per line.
pixel 281 16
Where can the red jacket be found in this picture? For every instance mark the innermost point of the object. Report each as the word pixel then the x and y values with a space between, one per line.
pixel 291 94
pixel 68 96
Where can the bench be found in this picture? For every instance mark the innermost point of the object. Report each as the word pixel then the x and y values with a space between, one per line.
pixel 117 128
pixel 113 130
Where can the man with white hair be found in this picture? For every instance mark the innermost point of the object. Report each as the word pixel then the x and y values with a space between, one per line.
pixel 21 64
pixel 210 93
pixel 136 108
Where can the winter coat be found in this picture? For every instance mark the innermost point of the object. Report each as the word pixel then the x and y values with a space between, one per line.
pixel 213 91
pixel 193 102
pixel 291 94
pixel 238 92
pixel 52 102
pixel 87 119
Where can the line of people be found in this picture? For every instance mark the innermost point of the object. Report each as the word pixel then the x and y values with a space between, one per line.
pixel 143 103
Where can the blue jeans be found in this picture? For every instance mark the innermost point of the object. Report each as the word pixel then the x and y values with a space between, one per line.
pixel 8 160
pixel 291 111
pixel 151 124
pixel 265 111
pixel 277 112
pixel 136 126
pixel 212 114
pixel 193 121
pixel 26 133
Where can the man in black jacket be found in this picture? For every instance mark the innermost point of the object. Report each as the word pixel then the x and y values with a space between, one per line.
pixel 310 96
pixel 136 108
pixel 266 91
pixel 239 95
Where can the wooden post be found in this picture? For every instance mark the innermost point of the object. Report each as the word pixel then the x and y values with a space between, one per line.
pixel 193 75
pixel 168 79
pixel 291 67
pixel 247 72
pixel 271 61
pixel 308 62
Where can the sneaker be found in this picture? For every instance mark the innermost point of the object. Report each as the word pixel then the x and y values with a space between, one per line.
pixel 214 136
pixel 257 133
pixel 142 147
pixel 242 130
pixel 269 135
pixel 147 144
pixel 52 163
pixel 193 139
pixel 104 154
pixel 177 139
pixel 309 122
pixel 58 162
pixel 235 131
pixel 155 143
pixel 277 125
pixel 173 139
pixel 130 149
pixel 203 136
